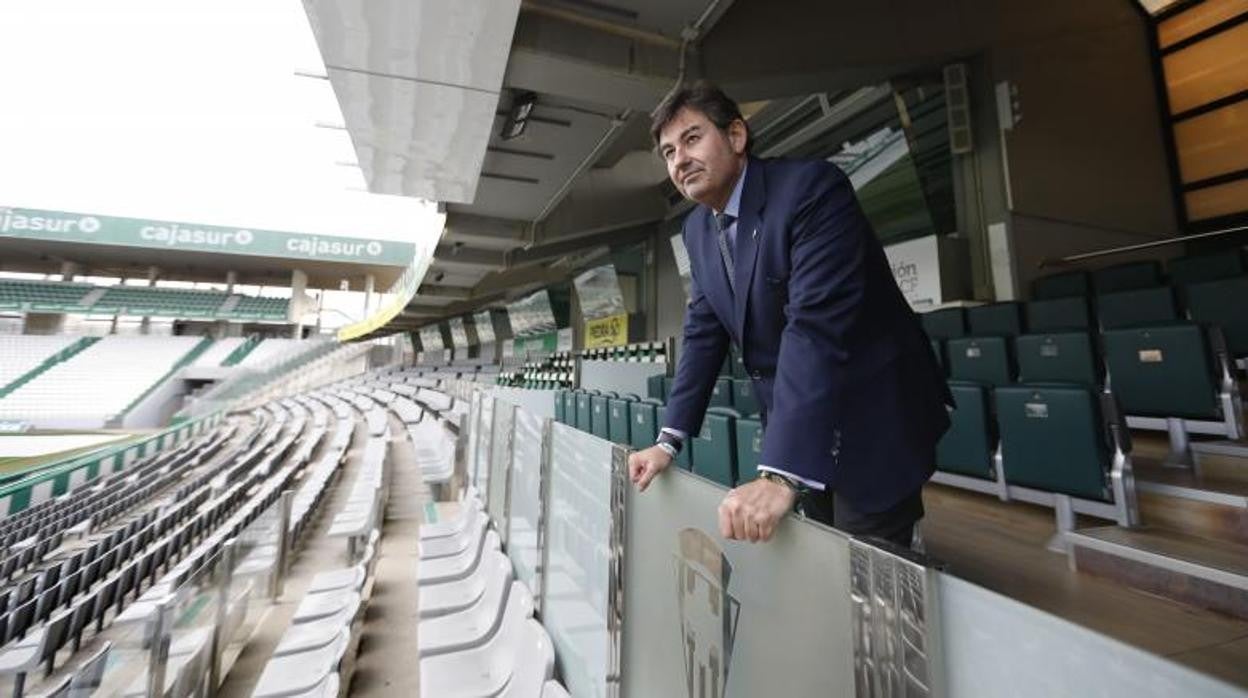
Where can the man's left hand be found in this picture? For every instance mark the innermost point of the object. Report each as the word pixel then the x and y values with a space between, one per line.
pixel 752 511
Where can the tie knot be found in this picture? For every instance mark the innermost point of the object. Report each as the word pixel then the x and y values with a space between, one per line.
pixel 724 220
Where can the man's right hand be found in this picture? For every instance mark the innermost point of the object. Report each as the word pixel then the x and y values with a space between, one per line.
pixel 643 466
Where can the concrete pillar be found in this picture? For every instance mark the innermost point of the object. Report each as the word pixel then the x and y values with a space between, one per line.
pixel 370 286
pixel 69 270
pixel 298 301
pixel 153 273
pixel 231 278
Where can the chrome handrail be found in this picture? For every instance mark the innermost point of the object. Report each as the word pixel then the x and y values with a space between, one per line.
pixel 1141 246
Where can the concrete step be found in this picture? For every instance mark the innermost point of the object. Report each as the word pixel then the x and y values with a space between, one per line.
pixel 1223 459
pixel 1212 575
pixel 1195 503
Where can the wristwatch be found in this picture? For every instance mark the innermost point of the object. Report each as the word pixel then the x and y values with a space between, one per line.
pixel 670 443
pixel 771 476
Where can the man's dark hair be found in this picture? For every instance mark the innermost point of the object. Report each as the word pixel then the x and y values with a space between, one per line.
pixel 703 97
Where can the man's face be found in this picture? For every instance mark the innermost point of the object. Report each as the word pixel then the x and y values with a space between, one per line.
pixel 702 160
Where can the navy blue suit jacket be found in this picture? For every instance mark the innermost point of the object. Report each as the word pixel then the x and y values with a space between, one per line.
pixel 850 390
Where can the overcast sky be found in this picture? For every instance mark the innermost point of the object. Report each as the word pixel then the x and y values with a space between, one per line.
pixel 181 110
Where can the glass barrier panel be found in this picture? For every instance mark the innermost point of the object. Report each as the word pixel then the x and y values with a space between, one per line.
pixel 525 520
pixel 575 605
pixel 482 448
pixel 996 646
pixel 474 429
pixel 708 617
pixel 499 464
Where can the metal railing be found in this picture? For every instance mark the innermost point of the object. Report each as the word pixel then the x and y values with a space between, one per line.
pixel 1083 256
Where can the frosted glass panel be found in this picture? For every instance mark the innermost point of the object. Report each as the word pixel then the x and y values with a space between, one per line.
pixel 994 646
pixel 526 497
pixel 579 555
pixel 483 440
pixel 705 617
pixel 500 461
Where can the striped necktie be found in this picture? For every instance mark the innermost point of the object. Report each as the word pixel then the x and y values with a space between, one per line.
pixel 723 222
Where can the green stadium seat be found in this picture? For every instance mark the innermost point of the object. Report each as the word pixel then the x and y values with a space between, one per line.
pixel 1145 306
pixel 726 369
pixel 618 420
pixel 655 387
pixel 714 451
pixel 982 360
pixel 584 412
pixel 1063 285
pixel 1195 269
pixel 1059 314
pixel 721 394
pixel 946 323
pixel 1059 357
pixel 738 365
pixel 667 387
pixel 569 407
pixel 682 460
pixel 1222 303
pixel 1163 371
pixel 559 406
pixel 749 448
pixel 1127 277
pixel 969 445
pixel 599 420
pixel 1053 438
pixel 743 396
pixel 996 320
pixel 643 428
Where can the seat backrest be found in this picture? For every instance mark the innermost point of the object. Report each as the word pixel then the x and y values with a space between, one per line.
pixel 1162 371
pixel 584 414
pixel 946 323
pixel 1059 314
pixel 654 387
pixel 996 320
pixel 714 451
pixel 619 420
pixel 967 447
pixel 1053 438
pixel 743 399
pixel 1221 303
pixel 599 416
pixel 982 360
pixel 721 394
pixel 749 445
pixel 642 429
pixel 1126 277
pixel 1194 269
pixel 1063 285
pixel 1145 306
pixel 90 675
pixel 534 662
pixel 1060 357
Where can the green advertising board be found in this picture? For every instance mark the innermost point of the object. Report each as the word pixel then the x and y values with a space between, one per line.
pixel 65 226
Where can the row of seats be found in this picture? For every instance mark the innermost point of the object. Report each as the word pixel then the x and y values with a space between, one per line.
pixel 1179 271
pixel 104 574
pixel 726 451
pixel 729 391
pixel 17 294
pixel 23 353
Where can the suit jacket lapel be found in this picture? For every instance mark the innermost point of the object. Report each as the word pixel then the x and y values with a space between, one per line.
pixel 745 253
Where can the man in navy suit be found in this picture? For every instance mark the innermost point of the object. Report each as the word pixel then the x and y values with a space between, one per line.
pixel 786 267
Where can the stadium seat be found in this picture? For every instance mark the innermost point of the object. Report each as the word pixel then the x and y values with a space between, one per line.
pixel 1127 277
pixel 743 396
pixel 643 428
pixel 946 323
pixel 1059 314
pixel 682 460
pixel 714 452
pixel 1053 438
pixel 749 448
pixel 1144 306
pixel 969 445
pixel 1195 269
pixel 1060 357
pixel 559 406
pixel 618 420
pixel 451 569
pixel 441 599
pixel 1221 303
pixel 1163 371
pixel 995 320
pixel 655 387
pixel 721 394
pixel 981 359
pixel 469 627
pixel 938 349
pixel 1063 285
pixel 584 412
pixel 446 546
pixel 600 423
pixel 569 407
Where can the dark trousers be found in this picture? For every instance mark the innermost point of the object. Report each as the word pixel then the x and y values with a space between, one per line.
pixel 895 525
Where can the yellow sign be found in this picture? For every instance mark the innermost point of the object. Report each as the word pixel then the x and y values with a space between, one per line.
pixel 609 331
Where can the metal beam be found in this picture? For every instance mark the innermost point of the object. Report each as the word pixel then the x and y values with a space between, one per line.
pixel 458 253
pixel 436 291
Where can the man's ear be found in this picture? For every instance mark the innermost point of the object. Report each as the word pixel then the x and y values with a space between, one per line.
pixel 738 136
